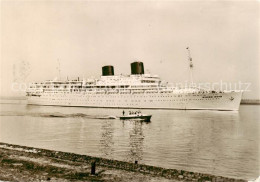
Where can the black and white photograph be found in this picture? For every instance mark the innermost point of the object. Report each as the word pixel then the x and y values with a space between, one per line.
pixel 114 90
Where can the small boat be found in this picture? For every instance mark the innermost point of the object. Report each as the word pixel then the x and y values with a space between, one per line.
pixel 137 116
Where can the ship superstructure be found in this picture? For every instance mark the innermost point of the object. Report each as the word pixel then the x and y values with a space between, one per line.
pixel 138 90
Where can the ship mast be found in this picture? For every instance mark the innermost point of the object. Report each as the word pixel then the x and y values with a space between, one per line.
pixel 191 65
pixel 59 69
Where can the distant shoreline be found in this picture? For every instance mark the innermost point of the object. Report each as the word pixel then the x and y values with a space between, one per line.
pixel 250 102
pixel 12 98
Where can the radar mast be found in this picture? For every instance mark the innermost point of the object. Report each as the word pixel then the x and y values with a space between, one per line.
pixel 191 65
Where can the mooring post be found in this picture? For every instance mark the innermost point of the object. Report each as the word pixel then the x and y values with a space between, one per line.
pixel 93 167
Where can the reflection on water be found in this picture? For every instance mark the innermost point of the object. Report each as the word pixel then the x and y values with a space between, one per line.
pixel 136 138
pixel 107 139
pixel 220 143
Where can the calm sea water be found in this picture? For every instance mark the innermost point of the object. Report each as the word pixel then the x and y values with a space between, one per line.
pixel 222 143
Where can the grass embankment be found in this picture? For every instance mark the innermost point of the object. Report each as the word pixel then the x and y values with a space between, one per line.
pixel 20 163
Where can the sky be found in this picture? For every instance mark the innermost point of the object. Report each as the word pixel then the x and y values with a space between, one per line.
pixel 82 36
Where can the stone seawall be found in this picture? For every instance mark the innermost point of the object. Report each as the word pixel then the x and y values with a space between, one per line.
pixel 177 175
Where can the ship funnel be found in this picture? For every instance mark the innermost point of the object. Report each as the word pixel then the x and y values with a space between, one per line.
pixel 137 68
pixel 107 70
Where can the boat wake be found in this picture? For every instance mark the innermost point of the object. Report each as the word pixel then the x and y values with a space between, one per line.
pixel 60 115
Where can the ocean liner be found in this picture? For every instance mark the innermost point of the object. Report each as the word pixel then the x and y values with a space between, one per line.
pixel 138 90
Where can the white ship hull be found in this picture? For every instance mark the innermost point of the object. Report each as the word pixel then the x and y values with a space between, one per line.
pixel 208 101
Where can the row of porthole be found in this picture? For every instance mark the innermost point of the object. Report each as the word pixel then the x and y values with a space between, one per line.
pixel 125 100
pixel 112 96
pixel 113 100
pixel 123 93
